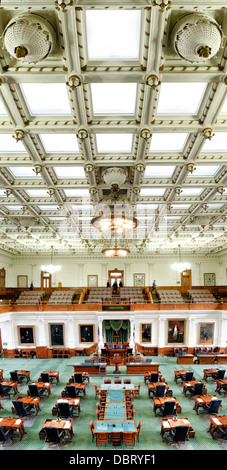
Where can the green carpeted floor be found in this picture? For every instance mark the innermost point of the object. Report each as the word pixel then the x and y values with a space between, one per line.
pixel 150 438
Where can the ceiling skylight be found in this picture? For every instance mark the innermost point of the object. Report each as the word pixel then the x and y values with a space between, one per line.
pixel 205 170
pixel 114 143
pixel 77 192
pixel 23 172
pixel 113 34
pixel 37 192
pixel 180 98
pixel 60 142
pixel 46 98
pixel 2 109
pixel 168 141
pixel 159 171
pixel 191 191
pixel 114 98
pixel 9 144
pixel 217 142
pixel 152 191
pixel 69 172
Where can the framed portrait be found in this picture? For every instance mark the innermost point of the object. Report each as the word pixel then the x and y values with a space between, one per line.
pixel 206 333
pixel 145 332
pixel 86 333
pixel 22 281
pixel 26 335
pixel 139 279
pixel 57 334
pixel 92 280
pixel 209 279
pixel 176 332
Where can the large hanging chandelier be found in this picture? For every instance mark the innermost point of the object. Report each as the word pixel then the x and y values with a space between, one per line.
pixel 51 268
pixel 110 252
pixel 114 220
pixel 180 266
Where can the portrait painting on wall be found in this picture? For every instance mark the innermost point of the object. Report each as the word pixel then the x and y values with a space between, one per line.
pixel 56 335
pixel 145 332
pixel 206 333
pixel 26 335
pixel 176 331
pixel 86 333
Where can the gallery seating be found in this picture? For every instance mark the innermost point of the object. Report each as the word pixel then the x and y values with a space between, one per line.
pixel 30 297
pixel 61 297
pixel 98 295
pixel 132 294
pixel 200 296
pixel 172 296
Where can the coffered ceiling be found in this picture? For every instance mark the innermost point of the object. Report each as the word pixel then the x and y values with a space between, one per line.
pixel 112 92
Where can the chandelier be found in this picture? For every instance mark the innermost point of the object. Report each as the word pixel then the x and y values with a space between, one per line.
pixel 115 252
pixel 180 266
pixel 114 220
pixel 51 268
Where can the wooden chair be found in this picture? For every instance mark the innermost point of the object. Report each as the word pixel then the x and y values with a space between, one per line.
pixel 107 381
pixel 96 390
pixel 117 381
pixel 138 430
pixel 116 439
pixel 102 439
pixel 92 429
pixel 102 370
pixel 127 381
pixel 128 439
pixel 137 390
pixel 179 435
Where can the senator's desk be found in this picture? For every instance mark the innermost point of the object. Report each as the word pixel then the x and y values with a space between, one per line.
pixel 91 369
pixel 42 386
pixel 117 387
pixel 180 374
pixel 159 402
pixel 53 375
pixel 221 383
pixel 80 388
pixel 15 424
pixel 24 374
pixel 209 373
pixel 32 402
pixel 206 358
pixel 152 387
pixel 187 386
pixel 74 403
pixel 169 424
pixel 221 359
pixel 64 425
pixel 141 367
pixel 114 426
pixel 203 401
pixel 185 359
pixel 217 422
pixel 10 384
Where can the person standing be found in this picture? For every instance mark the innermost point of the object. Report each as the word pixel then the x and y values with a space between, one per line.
pixel 154 288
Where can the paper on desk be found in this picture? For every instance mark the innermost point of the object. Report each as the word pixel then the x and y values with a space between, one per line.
pixel 185 421
pixel 216 421
pixel 200 400
pixel 1 419
pixel 67 425
pixel 166 424
pixel 18 421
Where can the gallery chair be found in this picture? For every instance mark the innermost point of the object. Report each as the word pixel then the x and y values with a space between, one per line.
pixel 53 436
pixel 5 435
pixel 179 435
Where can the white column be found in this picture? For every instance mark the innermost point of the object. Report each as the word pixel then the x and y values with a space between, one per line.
pixel 131 342
pixel 101 342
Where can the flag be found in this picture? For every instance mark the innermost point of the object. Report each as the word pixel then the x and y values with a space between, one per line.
pixel 98 337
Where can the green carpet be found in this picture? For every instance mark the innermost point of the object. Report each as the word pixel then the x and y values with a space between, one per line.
pixel 150 438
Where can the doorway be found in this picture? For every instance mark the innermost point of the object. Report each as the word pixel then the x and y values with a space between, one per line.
pixel 186 281
pixel 115 275
pixel 45 280
pixel 2 277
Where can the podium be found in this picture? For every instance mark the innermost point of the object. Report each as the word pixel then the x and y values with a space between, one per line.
pixel 117 359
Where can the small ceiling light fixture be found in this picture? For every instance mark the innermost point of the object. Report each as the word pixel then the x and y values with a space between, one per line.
pixel 180 266
pixel 51 268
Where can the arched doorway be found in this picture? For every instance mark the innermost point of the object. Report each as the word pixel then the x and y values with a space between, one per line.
pixel 115 275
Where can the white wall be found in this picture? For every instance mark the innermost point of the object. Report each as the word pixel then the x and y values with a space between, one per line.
pixel 75 271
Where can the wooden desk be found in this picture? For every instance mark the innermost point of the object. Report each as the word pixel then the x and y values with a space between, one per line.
pixel 74 403
pixel 24 374
pixel 190 385
pixel 85 376
pixel 221 359
pixel 10 384
pixel 80 388
pixel 32 402
pixel 141 368
pixel 169 424
pixel 117 387
pixel 217 422
pixel 202 401
pixel 91 369
pixel 206 359
pixel 52 374
pixel 64 425
pixel 1 375
pixel 111 427
pixel 179 374
pixel 146 376
pixel 152 387
pixel 222 383
pixel 42 386
pixel 158 402
pixel 15 424
pixel 185 359
pixel 209 373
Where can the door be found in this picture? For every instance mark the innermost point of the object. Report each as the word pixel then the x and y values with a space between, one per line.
pixel 45 280
pixel 116 275
pixel 2 277
pixel 186 281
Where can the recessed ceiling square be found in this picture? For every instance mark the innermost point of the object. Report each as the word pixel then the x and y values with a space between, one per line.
pixel 60 142
pixel 112 143
pixel 168 141
pixel 159 171
pixel 180 98
pixel 113 98
pixel 46 98
pixel 69 172
pixel 113 34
